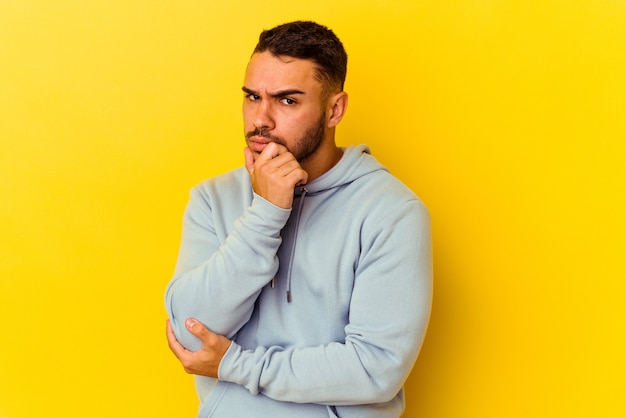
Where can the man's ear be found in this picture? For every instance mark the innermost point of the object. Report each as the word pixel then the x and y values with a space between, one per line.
pixel 337 105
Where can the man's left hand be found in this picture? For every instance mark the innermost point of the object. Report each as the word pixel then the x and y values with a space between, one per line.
pixel 206 360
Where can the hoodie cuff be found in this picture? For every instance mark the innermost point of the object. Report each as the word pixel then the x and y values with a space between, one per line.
pixel 242 367
pixel 266 217
pixel 227 367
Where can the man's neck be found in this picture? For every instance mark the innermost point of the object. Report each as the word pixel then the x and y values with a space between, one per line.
pixel 324 159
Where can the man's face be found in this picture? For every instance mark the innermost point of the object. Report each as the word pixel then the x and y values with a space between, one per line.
pixel 283 104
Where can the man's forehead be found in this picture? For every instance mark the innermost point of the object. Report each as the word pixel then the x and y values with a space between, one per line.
pixel 265 67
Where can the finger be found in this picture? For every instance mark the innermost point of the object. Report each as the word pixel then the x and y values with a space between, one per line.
pixel 176 347
pixel 270 151
pixel 280 148
pixel 302 177
pixel 197 329
pixel 287 166
pixel 280 162
pixel 296 176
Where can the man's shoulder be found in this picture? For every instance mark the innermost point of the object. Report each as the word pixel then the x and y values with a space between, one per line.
pixel 234 184
pixel 237 177
pixel 385 185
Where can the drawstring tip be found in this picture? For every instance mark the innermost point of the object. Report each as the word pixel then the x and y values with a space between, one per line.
pixel 288 296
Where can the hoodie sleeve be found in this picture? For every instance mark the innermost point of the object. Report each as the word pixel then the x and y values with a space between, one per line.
pixel 389 313
pixel 211 283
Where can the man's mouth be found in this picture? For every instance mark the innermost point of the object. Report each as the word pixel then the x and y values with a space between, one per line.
pixel 257 142
pixel 257 145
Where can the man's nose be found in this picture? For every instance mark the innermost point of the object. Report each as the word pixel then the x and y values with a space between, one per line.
pixel 263 118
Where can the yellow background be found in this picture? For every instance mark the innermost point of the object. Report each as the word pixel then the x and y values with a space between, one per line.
pixel 508 118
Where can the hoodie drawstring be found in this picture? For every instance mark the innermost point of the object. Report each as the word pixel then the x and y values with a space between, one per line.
pixel 303 191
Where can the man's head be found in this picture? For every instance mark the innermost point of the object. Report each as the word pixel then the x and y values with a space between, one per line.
pixel 293 91
pixel 310 41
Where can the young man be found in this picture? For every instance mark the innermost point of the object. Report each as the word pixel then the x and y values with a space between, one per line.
pixel 303 284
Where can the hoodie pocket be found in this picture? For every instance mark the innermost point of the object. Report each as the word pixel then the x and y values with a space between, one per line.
pixel 229 400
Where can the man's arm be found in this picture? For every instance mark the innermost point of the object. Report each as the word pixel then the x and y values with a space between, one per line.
pixel 218 278
pixel 213 282
pixel 388 317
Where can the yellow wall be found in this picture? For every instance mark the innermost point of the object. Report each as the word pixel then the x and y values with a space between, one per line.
pixel 507 117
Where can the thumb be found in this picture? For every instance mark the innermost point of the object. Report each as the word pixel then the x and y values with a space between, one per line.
pixel 196 328
pixel 247 152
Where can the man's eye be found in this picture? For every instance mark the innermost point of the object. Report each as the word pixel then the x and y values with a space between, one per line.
pixel 252 97
pixel 288 101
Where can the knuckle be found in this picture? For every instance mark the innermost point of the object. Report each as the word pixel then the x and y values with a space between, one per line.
pixel 186 365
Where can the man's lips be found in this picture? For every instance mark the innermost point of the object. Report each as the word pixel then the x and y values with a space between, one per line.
pixel 257 143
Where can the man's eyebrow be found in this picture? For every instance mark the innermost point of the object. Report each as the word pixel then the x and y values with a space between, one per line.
pixel 286 92
pixel 249 91
pixel 279 93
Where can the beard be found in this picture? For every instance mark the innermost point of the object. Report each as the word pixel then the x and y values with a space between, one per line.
pixel 304 147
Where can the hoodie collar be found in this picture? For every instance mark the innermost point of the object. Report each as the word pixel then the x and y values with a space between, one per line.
pixel 355 162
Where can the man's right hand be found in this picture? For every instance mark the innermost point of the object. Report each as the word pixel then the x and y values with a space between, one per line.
pixel 274 173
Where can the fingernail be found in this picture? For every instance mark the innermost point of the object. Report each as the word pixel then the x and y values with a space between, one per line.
pixel 190 323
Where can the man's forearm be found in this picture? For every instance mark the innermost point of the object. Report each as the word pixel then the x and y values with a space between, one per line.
pixel 220 288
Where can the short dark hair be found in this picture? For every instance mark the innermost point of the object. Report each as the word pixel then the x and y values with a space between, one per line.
pixel 312 41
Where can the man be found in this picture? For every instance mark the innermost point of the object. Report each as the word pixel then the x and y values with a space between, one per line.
pixel 303 283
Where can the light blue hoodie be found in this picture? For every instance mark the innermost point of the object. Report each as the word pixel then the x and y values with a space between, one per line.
pixel 354 256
